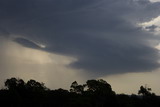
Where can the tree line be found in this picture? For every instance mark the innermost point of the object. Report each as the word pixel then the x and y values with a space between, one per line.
pixel 94 93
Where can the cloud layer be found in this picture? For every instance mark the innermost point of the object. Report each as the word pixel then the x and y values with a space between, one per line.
pixel 102 35
pixel 22 62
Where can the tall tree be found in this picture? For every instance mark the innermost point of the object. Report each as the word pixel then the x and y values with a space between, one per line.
pixel 33 85
pixel 15 84
pixel 99 86
pixel 76 88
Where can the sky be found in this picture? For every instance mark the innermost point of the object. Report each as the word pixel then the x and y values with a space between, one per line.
pixel 60 41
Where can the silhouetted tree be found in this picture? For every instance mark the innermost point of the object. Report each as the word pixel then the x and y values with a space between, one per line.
pixel 100 86
pixel 76 88
pixel 15 84
pixel 145 91
pixel 33 85
pixel 101 93
pixel 97 93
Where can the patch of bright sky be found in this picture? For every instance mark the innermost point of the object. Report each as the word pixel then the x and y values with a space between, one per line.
pixel 130 83
pixel 155 0
pixel 155 22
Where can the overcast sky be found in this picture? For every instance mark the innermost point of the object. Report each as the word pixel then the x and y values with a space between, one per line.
pixel 60 41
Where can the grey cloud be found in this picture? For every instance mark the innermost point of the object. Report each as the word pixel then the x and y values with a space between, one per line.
pixel 151 28
pixel 4 33
pixel 101 34
pixel 27 43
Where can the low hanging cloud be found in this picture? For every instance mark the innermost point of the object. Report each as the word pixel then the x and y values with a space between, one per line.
pixel 28 63
pixel 102 35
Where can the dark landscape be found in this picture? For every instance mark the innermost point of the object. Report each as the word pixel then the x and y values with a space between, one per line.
pixel 95 93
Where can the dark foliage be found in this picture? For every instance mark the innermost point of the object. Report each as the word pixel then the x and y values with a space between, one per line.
pixel 95 93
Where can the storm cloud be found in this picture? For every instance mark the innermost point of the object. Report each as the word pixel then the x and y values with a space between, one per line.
pixel 103 35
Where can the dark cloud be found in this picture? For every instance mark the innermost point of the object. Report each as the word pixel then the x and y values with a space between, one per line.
pixel 4 33
pixel 27 43
pixel 101 34
pixel 151 28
